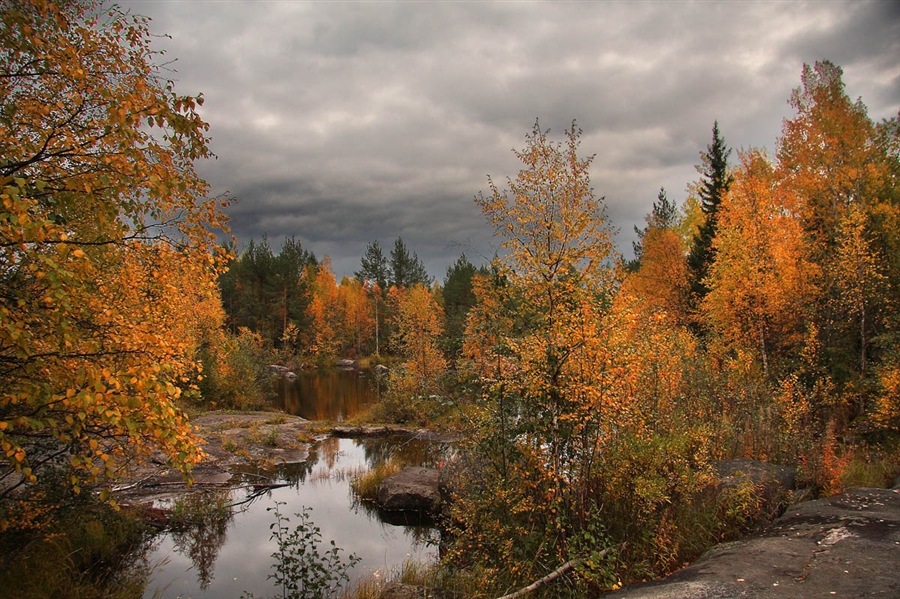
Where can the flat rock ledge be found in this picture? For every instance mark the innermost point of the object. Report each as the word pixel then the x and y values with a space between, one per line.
pixel 424 434
pixel 843 546
pixel 231 442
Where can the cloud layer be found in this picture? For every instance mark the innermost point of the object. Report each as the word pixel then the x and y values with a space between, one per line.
pixel 345 122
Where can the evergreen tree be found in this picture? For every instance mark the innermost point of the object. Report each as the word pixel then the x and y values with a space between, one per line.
pixel 458 300
pixel 714 183
pixel 407 270
pixel 374 266
pixel 291 288
pixel 265 292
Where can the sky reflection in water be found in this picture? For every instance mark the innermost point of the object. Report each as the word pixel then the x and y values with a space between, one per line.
pixel 244 561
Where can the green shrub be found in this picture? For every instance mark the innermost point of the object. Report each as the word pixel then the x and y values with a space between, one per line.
pixel 235 371
pixel 300 570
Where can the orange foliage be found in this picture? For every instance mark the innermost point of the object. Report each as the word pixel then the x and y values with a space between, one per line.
pixel 359 314
pixel 827 157
pixel 418 323
pixel 486 351
pixel 662 280
pixel 108 258
pixel 325 311
pixel 557 272
pixel 761 280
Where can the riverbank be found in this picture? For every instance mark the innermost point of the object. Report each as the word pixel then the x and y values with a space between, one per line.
pixel 845 545
pixel 232 442
pixel 236 442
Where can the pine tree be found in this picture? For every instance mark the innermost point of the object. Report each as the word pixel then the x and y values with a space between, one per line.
pixel 458 300
pixel 407 270
pixel 664 215
pixel 374 266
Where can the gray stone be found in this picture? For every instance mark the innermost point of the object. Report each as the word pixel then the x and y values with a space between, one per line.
pixel 346 364
pixel 842 546
pixel 412 489
pixel 281 371
pixel 349 431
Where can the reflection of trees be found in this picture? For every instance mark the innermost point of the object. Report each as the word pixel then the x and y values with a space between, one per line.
pixel 422 529
pixel 326 394
pixel 292 473
pixel 295 473
pixel 199 525
pixel 329 448
pixel 404 451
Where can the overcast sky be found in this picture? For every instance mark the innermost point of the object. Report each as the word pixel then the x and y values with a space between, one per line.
pixel 345 122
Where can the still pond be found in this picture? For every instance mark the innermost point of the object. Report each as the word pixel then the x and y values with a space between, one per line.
pixel 225 561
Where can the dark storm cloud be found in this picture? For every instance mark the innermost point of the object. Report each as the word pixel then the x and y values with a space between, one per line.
pixel 344 122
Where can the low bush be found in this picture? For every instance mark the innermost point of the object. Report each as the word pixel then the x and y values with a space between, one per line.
pixel 235 371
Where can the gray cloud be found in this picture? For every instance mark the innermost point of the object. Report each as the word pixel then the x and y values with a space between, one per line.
pixel 345 122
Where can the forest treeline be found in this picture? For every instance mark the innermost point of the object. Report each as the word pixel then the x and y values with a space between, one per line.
pixel 758 319
pixel 787 265
pixel 294 302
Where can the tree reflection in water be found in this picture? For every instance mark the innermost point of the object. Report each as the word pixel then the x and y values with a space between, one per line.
pixel 404 450
pixel 199 528
pixel 321 483
pixel 329 395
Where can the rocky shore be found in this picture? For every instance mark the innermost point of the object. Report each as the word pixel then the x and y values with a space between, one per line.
pixel 842 546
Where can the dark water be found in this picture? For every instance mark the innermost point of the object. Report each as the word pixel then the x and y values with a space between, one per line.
pixel 333 395
pixel 224 561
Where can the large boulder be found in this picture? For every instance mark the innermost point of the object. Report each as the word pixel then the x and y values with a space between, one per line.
pixel 414 489
pixel 842 546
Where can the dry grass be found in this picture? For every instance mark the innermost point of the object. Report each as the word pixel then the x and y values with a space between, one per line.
pixel 365 485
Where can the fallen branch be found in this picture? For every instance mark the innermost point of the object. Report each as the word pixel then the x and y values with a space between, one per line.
pixel 258 491
pixel 563 569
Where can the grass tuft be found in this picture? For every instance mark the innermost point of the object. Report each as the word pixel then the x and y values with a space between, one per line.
pixel 365 485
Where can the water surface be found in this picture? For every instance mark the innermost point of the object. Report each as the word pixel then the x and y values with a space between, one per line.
pixel 333 395
pixel 223 561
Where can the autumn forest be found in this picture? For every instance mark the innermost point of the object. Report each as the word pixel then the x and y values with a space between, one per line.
pixel 758 319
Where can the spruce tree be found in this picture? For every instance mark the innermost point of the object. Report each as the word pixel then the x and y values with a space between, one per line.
pixel 714 182
pixel 663 216
pixel 459 298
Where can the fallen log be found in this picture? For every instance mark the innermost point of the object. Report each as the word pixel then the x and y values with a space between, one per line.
pixel 563 569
